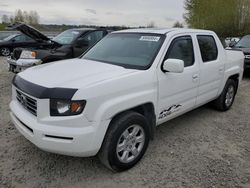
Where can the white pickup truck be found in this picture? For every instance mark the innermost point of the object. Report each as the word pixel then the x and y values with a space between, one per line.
pixel 109 101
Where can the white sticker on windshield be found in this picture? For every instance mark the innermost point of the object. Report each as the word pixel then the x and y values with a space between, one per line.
pixel 75 32
pixel 150 38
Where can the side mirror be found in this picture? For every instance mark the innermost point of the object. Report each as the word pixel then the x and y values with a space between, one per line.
pixel 81 43
pixel 232 44
pixel 13 40
pixel 173 65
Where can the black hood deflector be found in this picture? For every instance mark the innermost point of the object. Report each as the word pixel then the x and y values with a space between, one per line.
pixel 41 92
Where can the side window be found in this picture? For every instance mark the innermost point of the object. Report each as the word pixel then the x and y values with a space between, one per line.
pixel 93 37
pixel 28 39
pixel 182 48
pixel 17 38
pixel 208 48
pixel 20 38
pixel 99 35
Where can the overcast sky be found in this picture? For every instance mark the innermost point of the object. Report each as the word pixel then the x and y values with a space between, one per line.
pixel 100 12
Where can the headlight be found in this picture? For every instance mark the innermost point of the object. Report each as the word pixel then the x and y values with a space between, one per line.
pixel 28 54
pixel 66 107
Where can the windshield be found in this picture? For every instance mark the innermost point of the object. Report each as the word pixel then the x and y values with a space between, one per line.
pixel 9 37
pixel 130 50
pixel 66 37
pixel 244 42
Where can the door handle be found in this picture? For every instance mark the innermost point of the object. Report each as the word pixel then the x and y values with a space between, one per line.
pixel 195 76
pixel 221 69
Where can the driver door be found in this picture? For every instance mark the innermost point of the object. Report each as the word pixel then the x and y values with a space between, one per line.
pixel 178 91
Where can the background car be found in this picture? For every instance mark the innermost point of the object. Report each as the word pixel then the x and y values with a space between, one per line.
pixel 244 45
pixel 7 45
pixel 230 41
pixel 69 44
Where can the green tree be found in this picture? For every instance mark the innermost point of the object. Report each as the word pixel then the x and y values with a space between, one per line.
pixel 230 18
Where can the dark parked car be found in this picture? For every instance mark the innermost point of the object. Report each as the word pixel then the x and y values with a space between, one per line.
pixel 69 44
pixel 244 45
pixel 7 45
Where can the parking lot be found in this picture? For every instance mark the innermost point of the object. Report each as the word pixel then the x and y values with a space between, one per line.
pixel 203 148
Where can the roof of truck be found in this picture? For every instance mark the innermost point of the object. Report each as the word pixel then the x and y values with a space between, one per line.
pixel 162 30
pixel 82 29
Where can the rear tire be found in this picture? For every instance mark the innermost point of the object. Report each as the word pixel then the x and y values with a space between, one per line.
pixel 125 142
pixel 225 101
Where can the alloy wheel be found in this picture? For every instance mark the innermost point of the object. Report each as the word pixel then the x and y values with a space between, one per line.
pixel 5 51
pixel 229 96
pixel 130 144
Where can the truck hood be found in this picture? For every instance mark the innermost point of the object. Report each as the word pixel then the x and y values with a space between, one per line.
pixel 73 73
pixel 32 33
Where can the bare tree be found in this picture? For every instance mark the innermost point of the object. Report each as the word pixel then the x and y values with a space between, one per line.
pixel 12 20
pixel 151 24
pixel 26 17
pixel 178 25
pixel 31 17
pixel 19 16
pixel 5 19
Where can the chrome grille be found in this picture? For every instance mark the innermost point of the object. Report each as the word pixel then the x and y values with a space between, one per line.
pixel 27 102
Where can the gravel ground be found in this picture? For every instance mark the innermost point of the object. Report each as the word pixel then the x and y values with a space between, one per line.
pixel 204 148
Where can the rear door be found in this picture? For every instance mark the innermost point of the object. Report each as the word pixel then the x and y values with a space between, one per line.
pixel 211 68
pixel 178 91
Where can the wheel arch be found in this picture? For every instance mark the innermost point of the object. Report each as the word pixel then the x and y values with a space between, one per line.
pixel 234 75
pixel 235 78
pixel 147 110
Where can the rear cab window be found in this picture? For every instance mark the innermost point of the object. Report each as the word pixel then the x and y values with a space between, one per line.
pixel 208 48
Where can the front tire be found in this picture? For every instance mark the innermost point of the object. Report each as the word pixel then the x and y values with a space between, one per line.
pixel 125 142
pixel 5 51
pixel 225 101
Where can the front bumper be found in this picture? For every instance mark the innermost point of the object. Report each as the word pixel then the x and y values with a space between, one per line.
pixel 22 64
pixel 73 136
